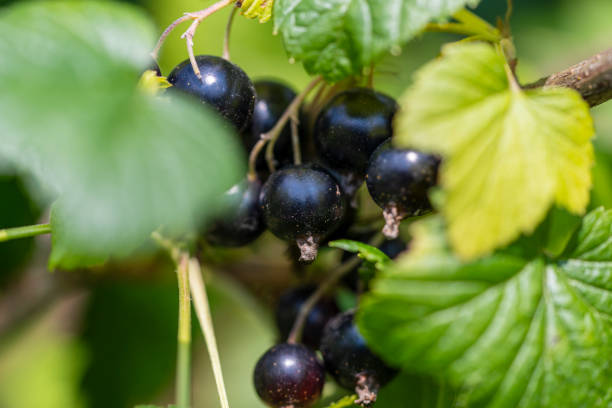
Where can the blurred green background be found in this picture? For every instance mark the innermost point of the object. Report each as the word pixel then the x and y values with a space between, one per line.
pixel 106 338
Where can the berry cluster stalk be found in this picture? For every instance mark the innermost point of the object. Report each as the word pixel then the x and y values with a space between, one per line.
pixel 183 361
pixel 188 35
pixel 296 332
pixel 24 232
pixel 200 302
pixel 269 138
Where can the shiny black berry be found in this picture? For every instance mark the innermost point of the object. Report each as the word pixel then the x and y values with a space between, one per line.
pixel 398 180
pixel 289 306
pixel 224 86
pixel 351 126
pixel 349 360
pixel 302 204
pixel 241 220
pixel 273 98
pixel 289 375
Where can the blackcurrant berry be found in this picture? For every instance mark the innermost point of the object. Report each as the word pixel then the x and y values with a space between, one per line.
pixel 349 360
pixel 241 221
pixel 273 98
pixel 289 306
pixel 302 204
pixel 351 126
pixel 224 86
pixel 289 375
pixel 398 180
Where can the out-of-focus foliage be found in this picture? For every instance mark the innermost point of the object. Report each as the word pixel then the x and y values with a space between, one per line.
pixel 121 161
pixel 550 35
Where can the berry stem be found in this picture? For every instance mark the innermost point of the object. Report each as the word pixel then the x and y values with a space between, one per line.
pixel 202 307
pixel 183 362
pixel 291 112
pixel 295 142
pixel 197 18
pixel 193 282
pixel 296 332
pixel 167 31
pixel 228 31
pixel 24 232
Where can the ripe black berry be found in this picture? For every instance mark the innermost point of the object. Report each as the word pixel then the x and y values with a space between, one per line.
pixel 352 125
pixel 224 86
pixel 398 180
pixel 273 98
pixel 289 375
pixel 289 306
pixel 302 204
pixel 241 222
pixel 349 360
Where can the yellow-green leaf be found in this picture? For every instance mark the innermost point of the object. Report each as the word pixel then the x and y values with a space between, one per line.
pixel 261 9
pixel 508 154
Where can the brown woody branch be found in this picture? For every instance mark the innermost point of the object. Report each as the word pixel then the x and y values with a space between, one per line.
pixel 591 77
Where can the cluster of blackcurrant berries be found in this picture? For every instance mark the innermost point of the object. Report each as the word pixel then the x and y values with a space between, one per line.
pixel 306 204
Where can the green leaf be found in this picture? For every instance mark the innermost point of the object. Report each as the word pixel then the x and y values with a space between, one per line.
pixel 337 38
pixel 508 154
pixel 121 161
pixel 367 252
pixel 346 401
pixel 505 331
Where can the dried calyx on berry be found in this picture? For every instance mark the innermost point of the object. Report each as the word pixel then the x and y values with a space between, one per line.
pixel 350 361
pixel 289 375
pixel 399 181
pixel 302 204
pixel 224 86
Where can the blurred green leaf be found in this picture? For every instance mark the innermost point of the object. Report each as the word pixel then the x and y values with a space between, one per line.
pixel 338 38
pixel 508 154
pixel 130 337
pixel 408 390
pixel 503 330
pixel 122 162
pixel 367 252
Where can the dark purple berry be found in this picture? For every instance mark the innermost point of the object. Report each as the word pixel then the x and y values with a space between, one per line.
pixel 273 98
pixel 302 204
pixel 241 221
pixel 349 360
pixel 351 126
pixel 399 180
pixel 224 87
pixel 289 375
pixel 289 306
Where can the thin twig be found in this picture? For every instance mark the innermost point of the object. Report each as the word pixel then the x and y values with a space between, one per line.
pixel 198 17
pixel 167 31
pixel 592 78
pixel 183 361
pixel 228 31
pixel 295 141
pixel 29 231
pixel 298 326
pixel 292 110
pixel 202 308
